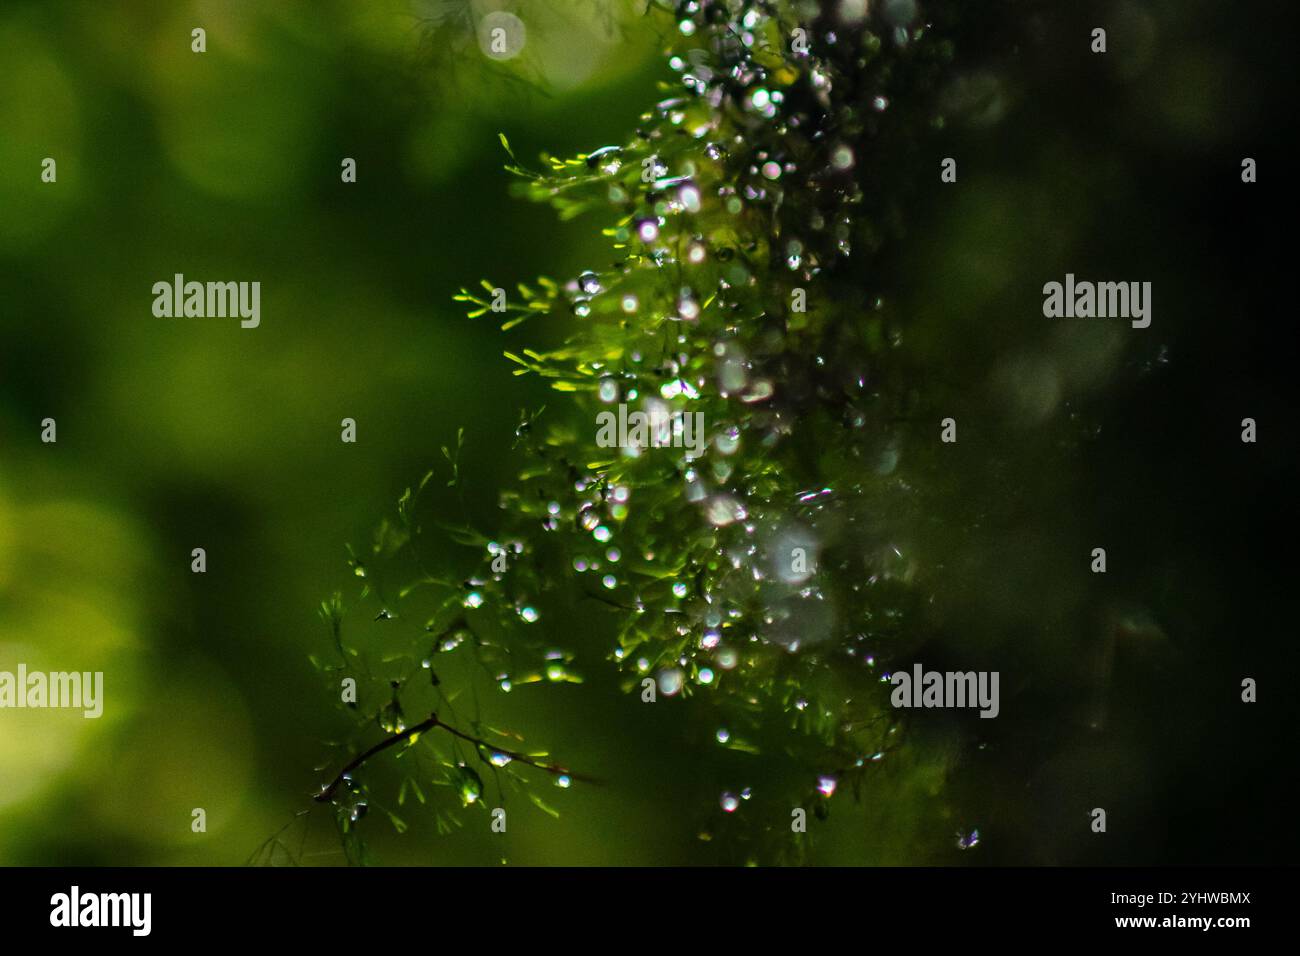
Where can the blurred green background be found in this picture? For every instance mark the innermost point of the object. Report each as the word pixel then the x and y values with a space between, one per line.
pixel 176 434
pixel 199 433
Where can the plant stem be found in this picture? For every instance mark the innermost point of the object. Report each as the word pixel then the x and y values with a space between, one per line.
pixel 429 723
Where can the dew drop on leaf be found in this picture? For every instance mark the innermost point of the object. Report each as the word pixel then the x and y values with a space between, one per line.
pixel 722 510
pixel 391 719
pixel 468 784
pixel 670 681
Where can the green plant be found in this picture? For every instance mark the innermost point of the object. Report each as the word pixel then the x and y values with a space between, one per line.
pixel 746 221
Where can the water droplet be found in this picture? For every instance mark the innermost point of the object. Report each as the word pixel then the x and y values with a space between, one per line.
pixel 794 253
pixel 763 102
pixel 826 785
pixel 689 197
pixel 900 12
pixel 670 681
pixel 967 841
pixel 729 803
pixel 499 759
pixel 852 12
pixel 589 283
pixel 728 440
pixel 391 719
pixel 529 614
pixel 722 510
pixel 723 735
pixel 468 784
pixel 607 158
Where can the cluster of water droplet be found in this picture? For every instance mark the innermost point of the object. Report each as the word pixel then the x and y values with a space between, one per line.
pixel 756 562
pixel 740 196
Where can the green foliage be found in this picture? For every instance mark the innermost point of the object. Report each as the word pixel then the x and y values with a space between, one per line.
pixel 745 219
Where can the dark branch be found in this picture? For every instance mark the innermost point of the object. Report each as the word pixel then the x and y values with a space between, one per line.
pixel 430 723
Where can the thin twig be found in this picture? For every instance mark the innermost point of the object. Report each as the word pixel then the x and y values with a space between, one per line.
pixel 430 723
pixel 328 791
